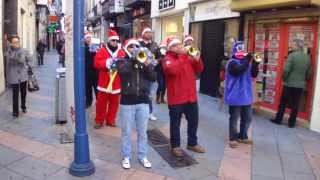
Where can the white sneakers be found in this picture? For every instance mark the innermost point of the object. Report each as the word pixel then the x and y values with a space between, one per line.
pixel 145 162
pixel 152 117
pixel 126 163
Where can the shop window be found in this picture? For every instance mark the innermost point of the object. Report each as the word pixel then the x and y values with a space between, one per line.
pixel 172 26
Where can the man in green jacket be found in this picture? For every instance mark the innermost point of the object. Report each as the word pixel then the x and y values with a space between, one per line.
pixel 297 72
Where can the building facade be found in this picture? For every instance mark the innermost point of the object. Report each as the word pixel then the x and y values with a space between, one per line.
pixel 2 63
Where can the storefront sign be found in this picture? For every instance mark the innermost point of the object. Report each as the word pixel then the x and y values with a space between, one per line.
pixel 211 10
pixel 166 4
pixel 42 2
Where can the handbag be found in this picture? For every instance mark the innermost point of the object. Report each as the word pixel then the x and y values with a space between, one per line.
pixel 32 81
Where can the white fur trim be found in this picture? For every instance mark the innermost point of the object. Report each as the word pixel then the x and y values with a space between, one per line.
pixel 188 38
pixel 173 42
pixel 113 37
pixel 146 30
pixel 132 41
pixel 115 54
pixel 116 91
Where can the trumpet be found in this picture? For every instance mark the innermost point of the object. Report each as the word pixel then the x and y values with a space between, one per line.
pixel 192 51
pixel 142 56
pixel 257 57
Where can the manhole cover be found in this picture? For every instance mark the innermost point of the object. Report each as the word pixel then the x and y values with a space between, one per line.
pixel 161 144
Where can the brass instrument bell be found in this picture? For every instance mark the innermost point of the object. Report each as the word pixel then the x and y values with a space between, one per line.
pixel 142 56
pixel 257 57
pixel 192 51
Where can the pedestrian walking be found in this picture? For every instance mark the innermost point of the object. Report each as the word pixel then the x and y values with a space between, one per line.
pixel 240 71
pixel 17 73
pixel 134 109
pixel 61 51
pixel 296 73
pixel 146 41
pixel 109 86
pixel 91 73
pixel 40 50
pixel 181 71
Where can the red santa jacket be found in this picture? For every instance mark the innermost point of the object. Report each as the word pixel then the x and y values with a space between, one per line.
pixel 101 61
pixel 180 75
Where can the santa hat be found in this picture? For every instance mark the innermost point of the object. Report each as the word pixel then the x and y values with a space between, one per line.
pixel 172 41
pixel 129 42
pixel 187 37
pixel 113 35
pixel 145 30
pixel 163 43
pixel 87 34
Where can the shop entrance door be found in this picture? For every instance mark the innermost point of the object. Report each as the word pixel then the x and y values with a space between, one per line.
pixel 212 53
pixel 273 42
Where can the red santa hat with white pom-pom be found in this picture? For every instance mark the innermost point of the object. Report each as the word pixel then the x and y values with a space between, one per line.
pixel 129 42
pixel 187 37
pixel 113 35
pixel 172 41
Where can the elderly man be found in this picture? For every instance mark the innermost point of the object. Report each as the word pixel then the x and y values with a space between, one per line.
pixel 296 72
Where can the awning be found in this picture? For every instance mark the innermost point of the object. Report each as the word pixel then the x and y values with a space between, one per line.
pixel 248 5
pixel 136 3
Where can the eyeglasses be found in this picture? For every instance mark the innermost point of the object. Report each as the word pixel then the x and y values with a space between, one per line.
pixel 133 46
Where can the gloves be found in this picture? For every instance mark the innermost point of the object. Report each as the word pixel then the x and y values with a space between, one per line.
pixel 109 63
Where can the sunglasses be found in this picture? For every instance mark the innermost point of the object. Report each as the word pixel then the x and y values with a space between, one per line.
pixel 133 46
pixel 114 40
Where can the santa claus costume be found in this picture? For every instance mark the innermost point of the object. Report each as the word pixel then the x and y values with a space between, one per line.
pixel 109 85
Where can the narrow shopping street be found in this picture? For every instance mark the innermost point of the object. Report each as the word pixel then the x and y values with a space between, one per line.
pixel 30 147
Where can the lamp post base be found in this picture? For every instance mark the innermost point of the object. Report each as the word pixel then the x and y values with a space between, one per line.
pixel 81 170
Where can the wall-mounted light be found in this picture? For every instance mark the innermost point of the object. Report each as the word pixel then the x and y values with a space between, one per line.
pixel 171 27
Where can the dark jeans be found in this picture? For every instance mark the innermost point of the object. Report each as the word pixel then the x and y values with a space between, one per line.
pixel 190 110
pixel 161 91
pixel 91 84
pixel 40 59
pixel 15 96
pixel 290 96
pixel 245 114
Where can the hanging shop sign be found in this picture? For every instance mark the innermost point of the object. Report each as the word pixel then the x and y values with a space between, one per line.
pixel 166 4
pixel 211 10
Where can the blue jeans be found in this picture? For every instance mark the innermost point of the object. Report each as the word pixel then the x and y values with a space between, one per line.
pixel 139 115
pixel 245 114
pixel 152 95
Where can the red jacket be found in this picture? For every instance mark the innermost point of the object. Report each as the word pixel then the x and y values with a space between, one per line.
pixel 180 74
pixel 103 56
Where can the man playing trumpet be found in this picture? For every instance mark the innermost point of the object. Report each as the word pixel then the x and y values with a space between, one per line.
pixel 180 71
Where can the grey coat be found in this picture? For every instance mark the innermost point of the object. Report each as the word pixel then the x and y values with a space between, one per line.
pixel 17 62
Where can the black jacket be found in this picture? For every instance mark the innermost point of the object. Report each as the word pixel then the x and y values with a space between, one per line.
pixel 135 80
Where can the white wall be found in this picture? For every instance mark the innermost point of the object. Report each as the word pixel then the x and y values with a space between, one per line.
pixel 69 66
pixel 2 82
pixel 26 25
pixel 315 115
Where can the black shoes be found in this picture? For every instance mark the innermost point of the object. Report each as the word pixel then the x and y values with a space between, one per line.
pixel 24 110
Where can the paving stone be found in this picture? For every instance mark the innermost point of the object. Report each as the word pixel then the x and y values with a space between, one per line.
pixel 257 177
pixel 34 168
pixel 6 174
pixel 212 177
pixel 269 166
pixel 300 176
pixel 109 170
pixel 64 174
pixel 8 155
pixel 295 163
pixel 194 172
